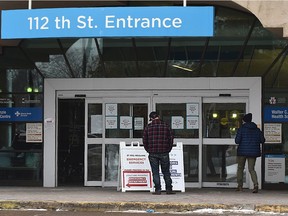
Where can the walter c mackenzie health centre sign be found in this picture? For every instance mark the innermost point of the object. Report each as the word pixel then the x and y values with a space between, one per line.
pixel 108 22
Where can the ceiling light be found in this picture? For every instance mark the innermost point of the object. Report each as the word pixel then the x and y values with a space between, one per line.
pixel 182 68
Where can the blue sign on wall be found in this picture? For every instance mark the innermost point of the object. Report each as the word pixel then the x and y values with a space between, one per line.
pixel 108 22
pixel 14 114
pixel 275 114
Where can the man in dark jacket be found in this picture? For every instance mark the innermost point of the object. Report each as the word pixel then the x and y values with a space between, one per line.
pixel 158 142
pixel 248 137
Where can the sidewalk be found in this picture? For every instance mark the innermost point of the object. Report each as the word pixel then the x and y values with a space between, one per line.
pixel 102 199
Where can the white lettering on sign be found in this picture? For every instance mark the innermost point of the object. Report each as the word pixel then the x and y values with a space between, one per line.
pixel 129 22
pixel 111 22
pixel 85 22
pixel 36 23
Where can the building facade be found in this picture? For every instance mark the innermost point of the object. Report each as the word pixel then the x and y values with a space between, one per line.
pixel 63 88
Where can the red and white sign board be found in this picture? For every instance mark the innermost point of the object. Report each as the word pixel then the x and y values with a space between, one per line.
pixel 136 172
pixel 135 168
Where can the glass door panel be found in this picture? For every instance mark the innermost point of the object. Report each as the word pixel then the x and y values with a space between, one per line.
pixel 94 162
pixel 109 121
pixel 93 142
pixel 125 119
pixel 221 119
pixel 182 114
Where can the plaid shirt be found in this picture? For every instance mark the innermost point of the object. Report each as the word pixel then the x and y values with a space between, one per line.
pixel 158 137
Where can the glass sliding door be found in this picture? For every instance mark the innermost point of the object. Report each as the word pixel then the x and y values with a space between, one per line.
pixel 183 115
pixel 93 142
pixel 109 121
pixel 221 119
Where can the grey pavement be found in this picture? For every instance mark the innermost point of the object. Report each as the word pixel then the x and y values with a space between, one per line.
pixel 103 199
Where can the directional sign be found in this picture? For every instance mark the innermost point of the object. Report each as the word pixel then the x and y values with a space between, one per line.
pixel 108 22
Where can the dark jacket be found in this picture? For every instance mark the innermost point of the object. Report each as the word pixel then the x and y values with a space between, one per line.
pixel 158 137
pixel 249 137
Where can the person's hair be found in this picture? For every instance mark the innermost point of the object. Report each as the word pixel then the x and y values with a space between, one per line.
pixel 153 115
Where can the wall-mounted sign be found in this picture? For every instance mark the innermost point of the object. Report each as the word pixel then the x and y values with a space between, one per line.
pixel 108 22
pixel 12 114
pixel 275 168
pixel 273 132
pixel 275 114
pixel 33 132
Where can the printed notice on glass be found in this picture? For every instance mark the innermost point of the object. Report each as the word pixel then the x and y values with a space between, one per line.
pixel 125 122
pixel 192 122
pixel 138 123
pixel 192 109
pixel 273 132
pixel 177 122
pixel 274 168
pixel 111 122
pixel 33 132
pixel 96 124
pixel 111 109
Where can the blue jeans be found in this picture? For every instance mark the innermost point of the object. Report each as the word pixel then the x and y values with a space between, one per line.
pixel 162 160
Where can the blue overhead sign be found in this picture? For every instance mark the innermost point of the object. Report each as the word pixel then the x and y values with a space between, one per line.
pixel 275 114
pixel 15 114
pixel 108 22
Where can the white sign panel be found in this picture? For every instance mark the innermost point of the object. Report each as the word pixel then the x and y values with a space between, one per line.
pixel 275 168
pixel 96 124
pixel 273 132
pixel 192 122
pixel 138 123
pixel 111 109
pixel 111 122
pixel 135 168
pixel 34 132
pixel 192 109
pixel 125 122
pixel 177 122
pixel 176 169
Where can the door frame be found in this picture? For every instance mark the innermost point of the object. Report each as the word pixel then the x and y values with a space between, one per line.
pixel 65 88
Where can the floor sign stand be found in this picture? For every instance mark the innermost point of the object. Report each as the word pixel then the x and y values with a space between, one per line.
pixel 134 173
pixel 135 168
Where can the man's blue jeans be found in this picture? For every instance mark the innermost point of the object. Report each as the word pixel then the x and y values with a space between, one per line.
pixel 163 160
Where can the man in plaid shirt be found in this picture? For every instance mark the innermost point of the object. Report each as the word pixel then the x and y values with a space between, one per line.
pixel 158 142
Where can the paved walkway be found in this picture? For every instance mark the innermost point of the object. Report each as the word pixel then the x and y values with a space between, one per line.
pixel 102 199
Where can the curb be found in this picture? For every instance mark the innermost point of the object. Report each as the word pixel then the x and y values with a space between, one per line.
pixel 141 206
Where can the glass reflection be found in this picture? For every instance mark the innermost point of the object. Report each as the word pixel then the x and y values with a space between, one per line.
pixel 191 158
pixel 111 162
pixel 222 120
pixel 220 163
pixel 94 162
